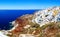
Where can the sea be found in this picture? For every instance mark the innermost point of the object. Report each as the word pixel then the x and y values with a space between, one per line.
pixel 7 16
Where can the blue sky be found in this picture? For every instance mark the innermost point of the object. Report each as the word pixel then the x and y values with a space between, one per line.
pixel 28 4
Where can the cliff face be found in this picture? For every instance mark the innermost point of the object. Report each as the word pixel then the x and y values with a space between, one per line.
pixel 45 23
pixel 22 21
pixel 21 24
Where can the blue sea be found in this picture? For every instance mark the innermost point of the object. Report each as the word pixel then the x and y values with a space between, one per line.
pixel 7 16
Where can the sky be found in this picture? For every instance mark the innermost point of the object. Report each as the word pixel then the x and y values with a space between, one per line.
pixel 28 4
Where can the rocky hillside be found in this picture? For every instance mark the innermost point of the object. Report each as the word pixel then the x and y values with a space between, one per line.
pixel 44 23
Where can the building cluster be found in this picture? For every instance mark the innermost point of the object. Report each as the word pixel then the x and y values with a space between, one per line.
pixel 48 15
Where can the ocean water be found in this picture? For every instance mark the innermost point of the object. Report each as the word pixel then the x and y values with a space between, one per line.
pixel 7 16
